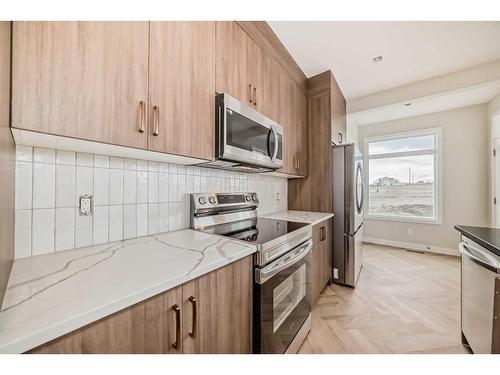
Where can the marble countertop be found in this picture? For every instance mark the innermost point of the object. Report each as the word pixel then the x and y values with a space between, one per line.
pixel 308 217
pixel 53 294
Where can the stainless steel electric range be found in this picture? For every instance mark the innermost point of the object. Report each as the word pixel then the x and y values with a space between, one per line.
pixel 282 297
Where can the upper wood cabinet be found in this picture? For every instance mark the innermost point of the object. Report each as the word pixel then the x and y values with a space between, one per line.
pixel 244 71
pixel 217 311
pixel 93 81
pixel 232 76
pixel 182 81
pixel 81 79
pixel 263 78
pixel 292 115
pixel 339 125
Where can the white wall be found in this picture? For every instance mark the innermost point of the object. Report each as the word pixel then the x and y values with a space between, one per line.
pixel 493 110
pixel 132 198
pixel 465 177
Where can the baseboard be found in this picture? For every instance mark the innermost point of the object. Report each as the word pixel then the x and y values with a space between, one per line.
pixel 412 246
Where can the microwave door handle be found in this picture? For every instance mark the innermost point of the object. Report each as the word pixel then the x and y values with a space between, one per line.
pixel 275 135
pixel 262 275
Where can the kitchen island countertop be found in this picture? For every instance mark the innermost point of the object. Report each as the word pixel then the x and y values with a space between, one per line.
pixel 53 294
pixel 488 238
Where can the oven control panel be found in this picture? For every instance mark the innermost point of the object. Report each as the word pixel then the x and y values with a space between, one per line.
pixel 202 201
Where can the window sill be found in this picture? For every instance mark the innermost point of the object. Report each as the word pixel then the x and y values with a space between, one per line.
pixel 404 219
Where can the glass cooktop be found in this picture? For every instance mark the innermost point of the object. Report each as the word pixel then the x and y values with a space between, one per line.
pixel 257 230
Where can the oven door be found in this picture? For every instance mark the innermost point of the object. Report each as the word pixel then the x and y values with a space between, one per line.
pixel 247 136
pixel 282 300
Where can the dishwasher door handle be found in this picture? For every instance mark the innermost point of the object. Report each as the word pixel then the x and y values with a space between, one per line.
pixel 487 262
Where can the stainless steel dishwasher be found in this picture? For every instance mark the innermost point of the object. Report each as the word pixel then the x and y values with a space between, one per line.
pixel 480 297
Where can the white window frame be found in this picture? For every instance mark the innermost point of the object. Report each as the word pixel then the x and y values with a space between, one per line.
pixel 438 172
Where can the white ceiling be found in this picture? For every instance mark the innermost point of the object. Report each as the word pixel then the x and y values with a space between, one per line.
pixel 435 103
pixel 412 50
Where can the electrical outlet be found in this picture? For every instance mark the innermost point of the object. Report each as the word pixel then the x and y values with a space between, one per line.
pixel 277 197
pixel 335 273
pixel 86 205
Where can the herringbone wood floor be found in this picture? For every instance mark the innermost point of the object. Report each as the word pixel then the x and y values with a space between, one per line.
pixel 404 302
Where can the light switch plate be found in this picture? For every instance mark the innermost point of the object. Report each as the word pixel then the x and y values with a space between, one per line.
pixel 86 205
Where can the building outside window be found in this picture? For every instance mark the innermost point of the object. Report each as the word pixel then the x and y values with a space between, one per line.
pixel 403 176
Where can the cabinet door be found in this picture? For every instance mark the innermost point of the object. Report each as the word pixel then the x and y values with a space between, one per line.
pixel 148 327
pixel 321 257
pixel 339 114
pixel 301 132
pixel 222 322
pixel 182 81
pixel 81 79
pixel 232 61
pixel 263 76
pixel 286 118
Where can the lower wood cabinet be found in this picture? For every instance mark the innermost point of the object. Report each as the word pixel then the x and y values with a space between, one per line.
pixel 321 269
pixel 210 314
pixel 217 311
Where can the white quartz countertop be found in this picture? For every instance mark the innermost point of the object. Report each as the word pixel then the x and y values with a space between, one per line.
pixel 53 294
pixel 308 217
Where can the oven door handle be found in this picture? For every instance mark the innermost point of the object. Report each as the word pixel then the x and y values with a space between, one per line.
pixel 261 276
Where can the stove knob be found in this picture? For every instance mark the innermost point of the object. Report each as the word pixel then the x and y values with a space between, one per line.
pixel 248 198
pixel 202 200
pixel 212 200
pixel 254 198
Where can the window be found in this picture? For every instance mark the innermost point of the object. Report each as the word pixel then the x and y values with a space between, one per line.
pixel 403 176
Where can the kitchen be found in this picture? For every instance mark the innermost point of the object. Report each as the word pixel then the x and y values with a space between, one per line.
pixel 196 187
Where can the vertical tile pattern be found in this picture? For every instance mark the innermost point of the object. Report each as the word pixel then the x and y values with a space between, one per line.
pixel 132 198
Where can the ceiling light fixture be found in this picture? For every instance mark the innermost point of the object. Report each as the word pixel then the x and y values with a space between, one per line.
pixel 377 59
pixel 408 104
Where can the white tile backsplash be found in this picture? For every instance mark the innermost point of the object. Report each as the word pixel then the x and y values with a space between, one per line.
pixel 65 185
pixel 44 185
pixel 115 186
pixel 24 185
pixel 65 229
pixel 43 231
pixel 23 234
pixel 132 198
pixel 100 225
pixel 115 223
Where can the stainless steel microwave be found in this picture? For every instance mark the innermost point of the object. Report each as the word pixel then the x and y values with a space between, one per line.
pixel 245 139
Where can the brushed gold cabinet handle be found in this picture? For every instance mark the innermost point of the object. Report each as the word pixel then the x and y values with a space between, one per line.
pixel 156 120
pixel 192 333
pixel 142 115
pixel 323 234
pixel 255 96
pixel 177 311
pixel 250 93
pixel 298 161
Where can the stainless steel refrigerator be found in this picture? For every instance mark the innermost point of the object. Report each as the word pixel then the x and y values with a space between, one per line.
pixel 348 198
